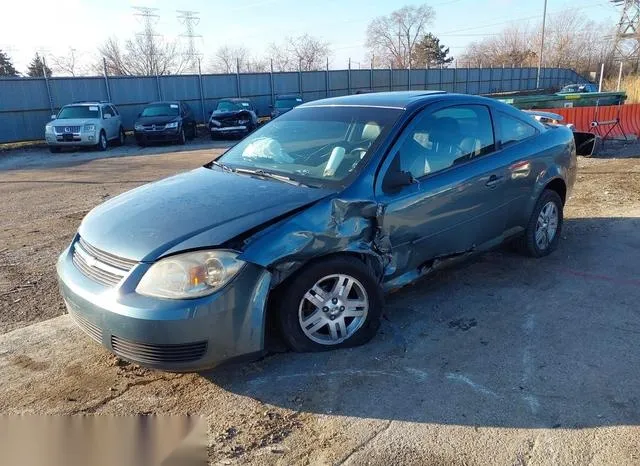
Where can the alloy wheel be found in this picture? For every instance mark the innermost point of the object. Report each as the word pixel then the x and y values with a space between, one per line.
pixel 333 309
pixel 547 225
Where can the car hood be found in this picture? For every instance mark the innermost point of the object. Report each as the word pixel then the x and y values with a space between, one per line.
pixel 201 208
pixel 73 122
pixel 156 120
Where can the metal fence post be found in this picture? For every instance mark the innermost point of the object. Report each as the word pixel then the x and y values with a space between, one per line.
pixel 426 75
pixel 349 78
pixel 326 81
pixel 238 77
pixel 391 77
pixel 271 86
pixel 46 83
pixel 204 113
pixel 455 76
pixel 440 77
pixel 619 77
pixel 466 84
pixel 409 76
pixel 371 75
pixel 106 79
pixel 159 90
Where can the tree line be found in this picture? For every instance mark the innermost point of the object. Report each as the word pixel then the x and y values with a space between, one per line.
pixel 400 40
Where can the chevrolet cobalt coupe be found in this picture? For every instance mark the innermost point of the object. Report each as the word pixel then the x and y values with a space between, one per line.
pixel 307 221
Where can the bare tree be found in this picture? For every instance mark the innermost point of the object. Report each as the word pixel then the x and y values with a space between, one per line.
pixel 308 53
pixel 142 55
pixel 227 57
pixel 393 38
pixel 68 64
pixel 513 46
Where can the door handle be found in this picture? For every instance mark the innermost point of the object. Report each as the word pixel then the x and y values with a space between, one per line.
pixel 494 180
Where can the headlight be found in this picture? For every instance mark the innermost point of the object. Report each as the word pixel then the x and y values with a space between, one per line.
pixel 190 275
pixel 138 127
pixel 172 125
pixel 48 128
pixel 89 128
pixel 243 122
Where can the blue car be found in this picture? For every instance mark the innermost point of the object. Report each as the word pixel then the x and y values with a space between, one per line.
pixel 307 222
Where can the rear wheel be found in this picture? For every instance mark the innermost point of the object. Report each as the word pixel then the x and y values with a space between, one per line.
pixel 54 150
pixel 542 234
pixel 335 303
pixel 121 137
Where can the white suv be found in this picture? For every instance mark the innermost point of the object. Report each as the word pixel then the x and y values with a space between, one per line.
pixel 84 124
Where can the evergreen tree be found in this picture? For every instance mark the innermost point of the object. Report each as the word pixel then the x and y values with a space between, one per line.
pixel 429 52
pixel 6 67
pixel 36 66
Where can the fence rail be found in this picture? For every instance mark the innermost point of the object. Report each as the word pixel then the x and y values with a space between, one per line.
pixel 26 104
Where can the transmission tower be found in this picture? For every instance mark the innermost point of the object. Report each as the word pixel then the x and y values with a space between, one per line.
pixel 190 21
pixel 627 38
pixel 149 18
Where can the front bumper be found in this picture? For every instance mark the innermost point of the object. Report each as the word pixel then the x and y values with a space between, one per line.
pixel 177 335
pixel 164 135
pixel 228 130
pixel 71 139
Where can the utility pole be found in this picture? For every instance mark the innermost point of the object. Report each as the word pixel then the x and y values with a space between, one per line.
pixel 541 56
pixel 626 45
pixel 190 21
pixel 149 17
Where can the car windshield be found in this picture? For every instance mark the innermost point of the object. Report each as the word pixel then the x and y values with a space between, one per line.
pixel 571 88
pixel 229 106
pixel 288 102
pixel 161 110
pixel 79 111
pixel 319 146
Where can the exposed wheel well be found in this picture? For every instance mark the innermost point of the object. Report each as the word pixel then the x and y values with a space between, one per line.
pixel 558 185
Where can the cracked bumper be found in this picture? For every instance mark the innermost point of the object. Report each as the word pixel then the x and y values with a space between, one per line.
pixel 176 335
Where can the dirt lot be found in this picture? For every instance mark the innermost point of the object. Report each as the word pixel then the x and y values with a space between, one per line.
pixel 505 360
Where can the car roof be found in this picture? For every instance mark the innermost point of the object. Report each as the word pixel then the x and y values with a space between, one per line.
pixel 164 102
pixel 288 96
pixel 397 99
pixel 85 103
pixel 234 99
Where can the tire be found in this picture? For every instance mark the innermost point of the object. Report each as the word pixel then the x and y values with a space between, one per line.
pixel 122 137
pixel 54 150
pixel 102 142
pixel 214 137
pixel 535 242
pixel 333 328
pixel 182 138
pixel 194 132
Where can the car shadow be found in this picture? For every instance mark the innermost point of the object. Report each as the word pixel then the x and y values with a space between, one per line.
pixel 503 341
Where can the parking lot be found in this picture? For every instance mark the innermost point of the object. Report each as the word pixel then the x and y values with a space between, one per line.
pixel 504 360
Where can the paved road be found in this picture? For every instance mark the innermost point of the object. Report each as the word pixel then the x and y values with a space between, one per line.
pixel 505 360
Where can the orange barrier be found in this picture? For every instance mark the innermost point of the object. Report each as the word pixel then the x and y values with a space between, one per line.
pixel 602 120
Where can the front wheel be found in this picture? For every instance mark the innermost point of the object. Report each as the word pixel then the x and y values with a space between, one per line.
pixel 102 142
pixel 335 303
pixel 542 234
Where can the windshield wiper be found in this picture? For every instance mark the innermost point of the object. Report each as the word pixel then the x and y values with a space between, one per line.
pixel 222 166
pixel 273 176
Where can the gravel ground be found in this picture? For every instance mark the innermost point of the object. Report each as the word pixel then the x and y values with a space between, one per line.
pixel 505 360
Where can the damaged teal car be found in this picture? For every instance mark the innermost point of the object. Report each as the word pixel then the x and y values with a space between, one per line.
pixel 308 221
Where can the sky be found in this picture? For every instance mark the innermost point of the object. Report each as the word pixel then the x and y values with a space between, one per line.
pixel 27 26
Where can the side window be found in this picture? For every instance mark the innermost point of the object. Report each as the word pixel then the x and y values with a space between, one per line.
pixel 106 110
pixel 445 138
pixel 513 130
pixel 114 111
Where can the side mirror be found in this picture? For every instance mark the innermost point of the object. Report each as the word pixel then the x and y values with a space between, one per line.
pixel 394 181
pixel 53 117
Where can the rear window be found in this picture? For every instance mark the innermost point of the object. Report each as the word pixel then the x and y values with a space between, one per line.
pixel 79 111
